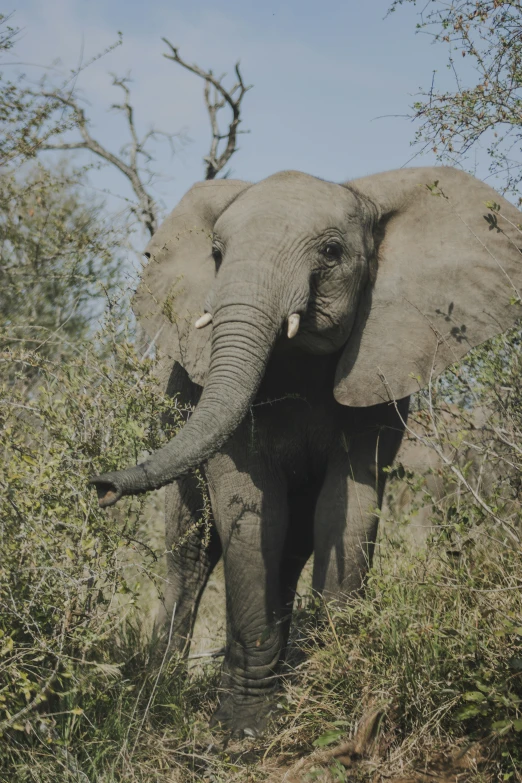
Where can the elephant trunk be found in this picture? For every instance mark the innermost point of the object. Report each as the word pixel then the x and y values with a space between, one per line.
pixel 242 340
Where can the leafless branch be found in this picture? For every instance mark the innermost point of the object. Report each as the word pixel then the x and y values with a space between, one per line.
pixel 133 158
pixel 210 654
pixel 216 98
pixel 130 168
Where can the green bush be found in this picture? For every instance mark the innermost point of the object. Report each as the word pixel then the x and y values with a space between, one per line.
pixel 62 560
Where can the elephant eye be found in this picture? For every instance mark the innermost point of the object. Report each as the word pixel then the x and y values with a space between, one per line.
pixel 217 255
pixel 333 251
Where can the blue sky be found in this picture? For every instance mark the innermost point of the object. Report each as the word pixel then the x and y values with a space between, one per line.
pixel 327 77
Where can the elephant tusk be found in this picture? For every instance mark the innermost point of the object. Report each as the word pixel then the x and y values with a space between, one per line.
pixel 204 320
pixel 293 325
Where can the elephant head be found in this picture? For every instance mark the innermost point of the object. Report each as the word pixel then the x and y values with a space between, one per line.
pixel 400 274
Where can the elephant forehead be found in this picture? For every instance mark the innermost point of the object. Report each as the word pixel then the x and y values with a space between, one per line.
pixel 289 200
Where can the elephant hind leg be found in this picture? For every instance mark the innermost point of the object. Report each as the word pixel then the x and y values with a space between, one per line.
pixel 191 558
pixel 347 513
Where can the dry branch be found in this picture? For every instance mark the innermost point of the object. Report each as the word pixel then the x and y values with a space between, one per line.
pixel 147 211
pixel 215 161
pixel 131 157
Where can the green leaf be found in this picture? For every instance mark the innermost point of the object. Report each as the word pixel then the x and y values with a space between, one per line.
pixel 337 771
pixel 502 726
pixel 333 735
pixel 517 724
pixel 469 711
pixel 133 428
pixel 474 696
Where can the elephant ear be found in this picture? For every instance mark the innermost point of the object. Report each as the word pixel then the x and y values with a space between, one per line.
pixel 449 277
pixel 179 274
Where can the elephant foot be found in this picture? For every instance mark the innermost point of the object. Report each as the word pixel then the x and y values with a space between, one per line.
pixel 242 717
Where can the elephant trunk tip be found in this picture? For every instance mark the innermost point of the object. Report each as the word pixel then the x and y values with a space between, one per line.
pixel 108 491
pixel 132 481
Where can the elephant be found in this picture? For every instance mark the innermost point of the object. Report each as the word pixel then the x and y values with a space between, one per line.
pixel 298 316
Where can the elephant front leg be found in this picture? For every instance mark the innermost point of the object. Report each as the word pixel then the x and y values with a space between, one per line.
pixel 347 512
pixel 250 507
pixel 191 558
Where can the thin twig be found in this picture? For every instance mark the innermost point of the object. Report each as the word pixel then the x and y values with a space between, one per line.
pixel 147 207
pixel 216 162
pixel 210 654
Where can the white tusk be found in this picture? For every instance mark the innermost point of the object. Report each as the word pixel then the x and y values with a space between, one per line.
pixel 293 325
pixel 203 320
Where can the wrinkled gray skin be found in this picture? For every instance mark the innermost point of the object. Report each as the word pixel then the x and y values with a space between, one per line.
pixel 292 468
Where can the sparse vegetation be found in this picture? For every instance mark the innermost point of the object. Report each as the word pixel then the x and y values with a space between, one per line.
pixel 419 680
pixel 482 38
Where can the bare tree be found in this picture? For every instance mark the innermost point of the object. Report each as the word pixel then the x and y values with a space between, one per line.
pixel 130 167
pixel 220 98
pixel 134 159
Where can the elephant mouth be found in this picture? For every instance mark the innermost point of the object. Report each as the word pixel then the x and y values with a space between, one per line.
pixel 317 334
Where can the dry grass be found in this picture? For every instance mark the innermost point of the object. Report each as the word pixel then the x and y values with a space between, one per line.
pixel 381 695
